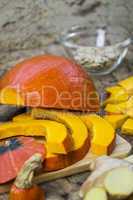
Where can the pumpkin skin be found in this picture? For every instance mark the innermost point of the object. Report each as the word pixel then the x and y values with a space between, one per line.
pixel 34 193
pixel 51 82
pixel 14 155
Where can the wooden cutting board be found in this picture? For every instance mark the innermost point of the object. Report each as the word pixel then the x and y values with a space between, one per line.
pixel 122 150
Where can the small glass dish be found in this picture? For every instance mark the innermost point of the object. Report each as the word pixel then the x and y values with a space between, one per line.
pixel 100 54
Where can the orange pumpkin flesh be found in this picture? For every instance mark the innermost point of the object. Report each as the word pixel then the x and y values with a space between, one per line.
pixel 49 81
pixel 59 161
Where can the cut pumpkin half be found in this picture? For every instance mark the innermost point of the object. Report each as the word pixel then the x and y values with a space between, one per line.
pixel 49 81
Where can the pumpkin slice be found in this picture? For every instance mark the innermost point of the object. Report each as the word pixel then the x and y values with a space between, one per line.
pixel 115 108
pixel 127 127
pixel 58 139
pixel 77 128
pixel 103 140
pixel 117 94
pixel 51 82
pixel 119 108
pixel 127 84
pixel 115 120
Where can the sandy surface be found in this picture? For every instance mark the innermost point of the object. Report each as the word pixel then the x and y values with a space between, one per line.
pixel 30 27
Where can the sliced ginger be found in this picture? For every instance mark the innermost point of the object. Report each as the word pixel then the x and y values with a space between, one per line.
pixel 116 120
pixel 119 182
pixel 57 136
pixel 103 140
pixel 96 193
pixel 101 167
pixel 127 127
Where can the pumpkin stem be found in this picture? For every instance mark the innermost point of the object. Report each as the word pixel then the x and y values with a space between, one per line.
pixel 25 177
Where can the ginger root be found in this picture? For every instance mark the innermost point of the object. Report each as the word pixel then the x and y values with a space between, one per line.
pixel 119 182
pixel 96 193
pixel 102 166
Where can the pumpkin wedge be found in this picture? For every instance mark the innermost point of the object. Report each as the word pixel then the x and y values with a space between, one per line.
pixel 77 128
pixel 119 108
pixel 127 127
pixel 51 82
pixel 116 120
pixel 57 137
pixel 117 94
pixel 103 134
pixel 127 84
pixel 79 132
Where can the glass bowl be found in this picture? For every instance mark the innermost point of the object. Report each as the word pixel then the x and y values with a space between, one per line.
pixel 99 53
